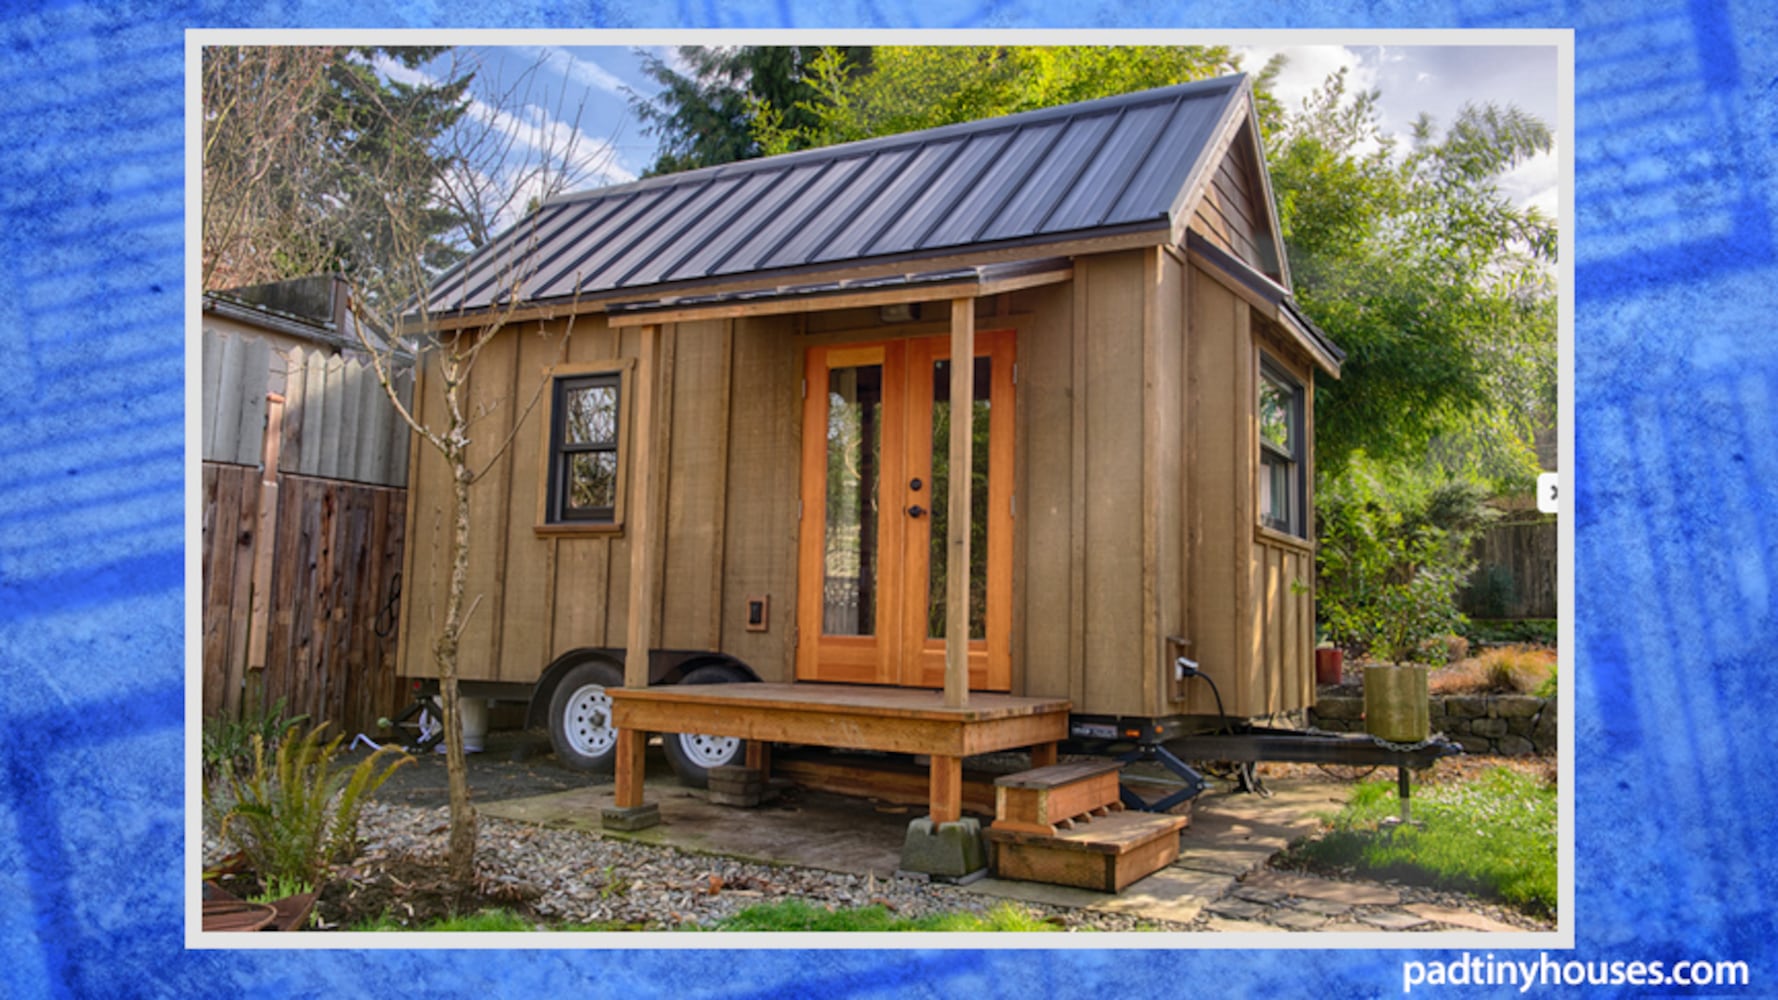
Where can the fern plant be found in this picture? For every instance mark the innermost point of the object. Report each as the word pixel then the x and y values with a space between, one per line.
pixel 296 814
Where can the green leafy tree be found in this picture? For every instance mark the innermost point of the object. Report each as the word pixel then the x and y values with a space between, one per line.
pixel 704 116
pixel 1438 288
pixel 905 88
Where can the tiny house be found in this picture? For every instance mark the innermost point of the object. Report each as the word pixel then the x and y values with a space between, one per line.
pixel 744 465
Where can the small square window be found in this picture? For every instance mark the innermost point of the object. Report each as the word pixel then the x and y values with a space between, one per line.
pixel 1282 491
pixel 584 454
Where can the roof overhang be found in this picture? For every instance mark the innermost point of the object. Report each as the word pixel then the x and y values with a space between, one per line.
pixel 1271 299
pixel 930 286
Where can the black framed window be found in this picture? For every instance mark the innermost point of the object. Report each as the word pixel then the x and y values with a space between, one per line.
pixel 1282 491
pixel 584 432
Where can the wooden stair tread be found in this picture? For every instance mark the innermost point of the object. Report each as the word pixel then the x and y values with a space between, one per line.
pixel 1116 833
pixel 1057 775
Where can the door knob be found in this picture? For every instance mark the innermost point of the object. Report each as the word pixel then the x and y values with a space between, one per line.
pixel 916 511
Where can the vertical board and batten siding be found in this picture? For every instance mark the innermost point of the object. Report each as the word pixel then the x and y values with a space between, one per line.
pixel 726 484
pixel 1047 600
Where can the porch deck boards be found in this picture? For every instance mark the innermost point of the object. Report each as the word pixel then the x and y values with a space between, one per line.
pixel 898 720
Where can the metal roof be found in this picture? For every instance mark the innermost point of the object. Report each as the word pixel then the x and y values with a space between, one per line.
pixel 1118 164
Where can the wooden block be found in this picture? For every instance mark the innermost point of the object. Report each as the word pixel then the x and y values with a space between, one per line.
pixel 1043 798
pixel 1106 854
pixel 946 793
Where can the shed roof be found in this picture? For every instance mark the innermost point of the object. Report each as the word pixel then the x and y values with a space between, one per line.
pixel 1121 164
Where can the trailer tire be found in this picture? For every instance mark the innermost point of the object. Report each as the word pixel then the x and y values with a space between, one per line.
pixel 694 754
pixel 580 727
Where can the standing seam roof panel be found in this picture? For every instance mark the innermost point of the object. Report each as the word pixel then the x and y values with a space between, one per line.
pixel 553 236
pixel 1095 192
pixel 736 199
pixel 507 252
pixel 1182 146
pixel 1026 213
pixel 934 206
pixel 864 233
pixel 833 175
pixel 864 186
pixel 667 231
pixel 609 259
pixel 997 185
pixel 778 189
pixel 587 250
pixel 1103 164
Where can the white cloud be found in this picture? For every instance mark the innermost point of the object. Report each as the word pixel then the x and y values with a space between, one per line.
pixel 1535 183
pixel 582 71
pixel 1307 67
pixel 534 128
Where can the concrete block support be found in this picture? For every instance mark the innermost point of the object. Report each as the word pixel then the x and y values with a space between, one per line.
pixel 948 851
pixel 633 818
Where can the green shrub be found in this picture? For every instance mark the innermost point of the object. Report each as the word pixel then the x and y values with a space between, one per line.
pixel 1393 554
pixel 228 743
pixel 1532 631
pixel 297 813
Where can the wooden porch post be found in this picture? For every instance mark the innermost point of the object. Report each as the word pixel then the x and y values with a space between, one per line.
pixel 638 528
pixel 958 510
pixel 631 743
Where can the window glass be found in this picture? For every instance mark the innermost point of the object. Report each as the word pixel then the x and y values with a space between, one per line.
pixel 584 432
pixel 1281 488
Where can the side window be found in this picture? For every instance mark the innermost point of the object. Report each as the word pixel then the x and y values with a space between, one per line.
pixel 1281 486
pixel 585 461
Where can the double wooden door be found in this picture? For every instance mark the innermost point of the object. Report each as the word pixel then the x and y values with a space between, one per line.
pixel 875 479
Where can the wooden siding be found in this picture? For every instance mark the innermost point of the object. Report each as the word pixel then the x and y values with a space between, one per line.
pixel 1232 212
pixel 1135 519
pixel 726 515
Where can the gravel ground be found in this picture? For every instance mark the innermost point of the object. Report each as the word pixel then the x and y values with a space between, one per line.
pixel 565 876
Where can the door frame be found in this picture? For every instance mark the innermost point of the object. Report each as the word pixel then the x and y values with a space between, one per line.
pixel 899 652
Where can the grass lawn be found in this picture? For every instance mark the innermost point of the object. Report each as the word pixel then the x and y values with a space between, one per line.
pixel 1494 836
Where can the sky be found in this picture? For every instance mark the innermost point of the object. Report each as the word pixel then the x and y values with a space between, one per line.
pixel 582 93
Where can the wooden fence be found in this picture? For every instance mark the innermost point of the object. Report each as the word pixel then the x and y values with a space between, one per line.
pixel 1515 575
pixel 337 423
pixel 301 569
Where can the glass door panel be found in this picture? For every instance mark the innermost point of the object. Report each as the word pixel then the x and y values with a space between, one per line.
pixel 854 456
pixel 980 456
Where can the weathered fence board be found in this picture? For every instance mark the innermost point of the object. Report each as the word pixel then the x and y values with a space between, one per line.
pixel 334 571
pixel 231 503
pixel 1515 575
pixel 338 424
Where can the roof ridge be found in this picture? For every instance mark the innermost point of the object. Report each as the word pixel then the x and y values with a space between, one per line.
pixel 874 145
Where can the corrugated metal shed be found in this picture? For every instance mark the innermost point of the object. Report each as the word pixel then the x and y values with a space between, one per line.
pixel 1115 165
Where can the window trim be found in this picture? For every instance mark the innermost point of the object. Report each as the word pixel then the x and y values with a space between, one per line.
pixel 549 484
pixel 1294 460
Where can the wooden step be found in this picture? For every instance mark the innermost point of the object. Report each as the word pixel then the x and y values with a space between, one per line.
pixel 1047 800
pixel 1106 853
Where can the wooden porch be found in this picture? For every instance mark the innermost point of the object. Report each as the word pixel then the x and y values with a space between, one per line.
pixel 895 720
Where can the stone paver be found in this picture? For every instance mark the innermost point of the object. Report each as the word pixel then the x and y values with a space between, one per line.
pixel 1458 918
pixel 1171 894
pixel 1393 920
pixel 1238 909
pixel 1225 861
pixel 1326 908
pixel 1300 920
pixel 1222 926
pixel 1353 893
pixel 1264 897
pixel 1348 927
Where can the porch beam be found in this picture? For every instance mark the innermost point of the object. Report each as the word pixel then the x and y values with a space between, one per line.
pixel 958 508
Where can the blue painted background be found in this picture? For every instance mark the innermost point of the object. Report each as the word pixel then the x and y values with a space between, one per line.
pixel 1676 518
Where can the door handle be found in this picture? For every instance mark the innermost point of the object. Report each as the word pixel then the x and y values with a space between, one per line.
pixel 916 511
